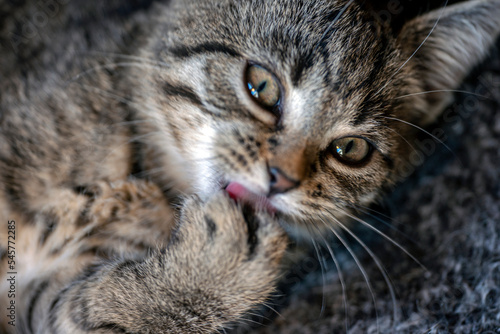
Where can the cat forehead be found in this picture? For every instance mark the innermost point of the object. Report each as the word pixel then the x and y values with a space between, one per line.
pixel 313 43
pixel 280 25
pixel 330 58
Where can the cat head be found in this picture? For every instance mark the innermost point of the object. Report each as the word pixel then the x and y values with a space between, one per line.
pixel 304 106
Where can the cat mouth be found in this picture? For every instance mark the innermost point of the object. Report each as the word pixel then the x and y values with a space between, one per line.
pixel 241 194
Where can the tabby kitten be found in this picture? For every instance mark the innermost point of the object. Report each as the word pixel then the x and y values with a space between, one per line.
pixel 147 176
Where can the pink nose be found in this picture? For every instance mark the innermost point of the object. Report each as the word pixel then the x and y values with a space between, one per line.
pixel 280 182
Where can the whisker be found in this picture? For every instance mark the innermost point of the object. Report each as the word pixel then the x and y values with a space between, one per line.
pixel 342 282
pixel 443 91
pixel 386 237
pixel 116 97
pixel 110 66
pixel 378 263
pixel 335 20
pixel 272 309
pixel 129 57
pixel 402 137
pixel 424 131
pixel 257 315
pixel 129 141
pixel 323 277
pixel 246 320
pixel 364 210
pixel 360 266
pixel 393 221
pixel 415 52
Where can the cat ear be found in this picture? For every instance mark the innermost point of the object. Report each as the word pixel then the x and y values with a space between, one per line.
pixel 446 44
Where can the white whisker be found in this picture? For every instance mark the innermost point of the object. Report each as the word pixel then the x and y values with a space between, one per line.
pixel 323 277
pixel 415 52
pixel 335 20
pixel 111 66
pixel 386 237
pixel 360 266
pixel 129 57
pixel 424 131
pixel 402 137
pixel 342 283
pixel 381 268
pixel 366 211
pixel 442 91
pixel 116 97
pixel 272 309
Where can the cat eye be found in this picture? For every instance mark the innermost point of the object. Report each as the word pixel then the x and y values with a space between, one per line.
pixel 351 150
pixel 263 87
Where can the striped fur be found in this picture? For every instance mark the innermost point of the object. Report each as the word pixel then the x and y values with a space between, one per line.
pixel 118 134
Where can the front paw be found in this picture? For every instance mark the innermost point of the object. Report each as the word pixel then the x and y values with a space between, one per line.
pixel 231 253
pixel 220 262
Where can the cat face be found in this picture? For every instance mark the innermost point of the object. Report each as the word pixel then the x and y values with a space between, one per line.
pixel 293 106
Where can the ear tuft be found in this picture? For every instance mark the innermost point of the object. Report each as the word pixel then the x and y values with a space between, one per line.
pixel 447 44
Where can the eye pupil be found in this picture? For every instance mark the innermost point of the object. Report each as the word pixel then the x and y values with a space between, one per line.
pixel 349 147
pixel 262 86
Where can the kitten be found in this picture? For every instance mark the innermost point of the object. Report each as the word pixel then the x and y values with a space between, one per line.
pixel 147 187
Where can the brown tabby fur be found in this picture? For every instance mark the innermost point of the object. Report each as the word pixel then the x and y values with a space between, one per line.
pixel 117 137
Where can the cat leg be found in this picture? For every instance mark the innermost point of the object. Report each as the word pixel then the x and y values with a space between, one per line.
pixel 219 264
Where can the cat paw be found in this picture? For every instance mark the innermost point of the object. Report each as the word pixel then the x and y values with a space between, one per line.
pixel 230 252
pixel 123 199
pixel 134 212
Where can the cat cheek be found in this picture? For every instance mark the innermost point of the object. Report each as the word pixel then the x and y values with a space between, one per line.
pixel 199 152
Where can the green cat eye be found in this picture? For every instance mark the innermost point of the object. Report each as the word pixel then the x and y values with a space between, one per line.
pixel 351 150
pixel 263 87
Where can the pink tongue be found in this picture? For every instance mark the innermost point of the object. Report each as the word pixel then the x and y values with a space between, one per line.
pixel 239 193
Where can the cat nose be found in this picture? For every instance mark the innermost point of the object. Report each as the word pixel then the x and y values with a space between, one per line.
pixel 280 182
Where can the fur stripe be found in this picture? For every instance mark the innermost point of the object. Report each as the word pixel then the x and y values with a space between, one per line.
pixel 112 328
pixel 303 64
pixel 181 91
pixel 370 101
pixel 210 47
pixel 51 222
pixel 54 309
pixel 211 226
pixel 306 61
pixel 32 303
pixel 253 225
